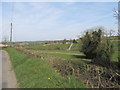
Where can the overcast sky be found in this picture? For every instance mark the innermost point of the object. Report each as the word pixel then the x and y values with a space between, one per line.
pixel 55 21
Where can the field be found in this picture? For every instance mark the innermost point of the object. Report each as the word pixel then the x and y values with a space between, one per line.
pixel 37 73
pixel 60 50
pixel 64 47
pixel 54 66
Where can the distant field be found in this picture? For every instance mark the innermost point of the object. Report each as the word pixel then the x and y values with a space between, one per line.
pixel 71 54
pixel 55 50
pixel 75 47
pixel 50 47
pixel 58 51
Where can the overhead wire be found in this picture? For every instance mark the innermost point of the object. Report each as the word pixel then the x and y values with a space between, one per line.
pixel 12 11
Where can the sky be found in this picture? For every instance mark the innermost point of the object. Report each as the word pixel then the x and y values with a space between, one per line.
pixel 55 20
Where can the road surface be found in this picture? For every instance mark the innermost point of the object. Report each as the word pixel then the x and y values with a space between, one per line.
pixel 8 75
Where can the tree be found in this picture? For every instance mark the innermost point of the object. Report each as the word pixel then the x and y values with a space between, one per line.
pixel 64 41
pixel 74 41
pixel 96 47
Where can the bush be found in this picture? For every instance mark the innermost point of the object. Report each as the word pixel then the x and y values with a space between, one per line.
pixel 104 53
pixel 96 46
pixel 74 41
pixel 64 41
pixel 58 48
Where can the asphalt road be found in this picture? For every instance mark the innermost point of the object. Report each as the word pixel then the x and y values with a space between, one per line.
pixel 8 75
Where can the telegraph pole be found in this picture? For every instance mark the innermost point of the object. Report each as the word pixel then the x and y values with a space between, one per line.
pixel 11 33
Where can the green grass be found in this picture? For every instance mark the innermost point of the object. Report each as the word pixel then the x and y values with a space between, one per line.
pixel 37 73
pixel 115 56
pixel 77 59
pixel 75 47
pixel 50 47
pixel 61 51
pixel 66 56
pixel 72 57
pixel 114 37
pixel 116 45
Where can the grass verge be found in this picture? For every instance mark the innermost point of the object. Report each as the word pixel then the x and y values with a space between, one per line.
pixel 37 73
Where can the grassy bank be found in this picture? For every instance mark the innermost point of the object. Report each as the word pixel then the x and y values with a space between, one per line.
pixel 37 73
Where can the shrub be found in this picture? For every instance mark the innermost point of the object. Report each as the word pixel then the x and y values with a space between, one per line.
pixel 96 46
pixel 104 53
pixel 74 41
pixel 58 48
pixel 64 41
pixel 90 43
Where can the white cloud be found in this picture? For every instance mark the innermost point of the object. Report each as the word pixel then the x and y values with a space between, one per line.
pixel 41 21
